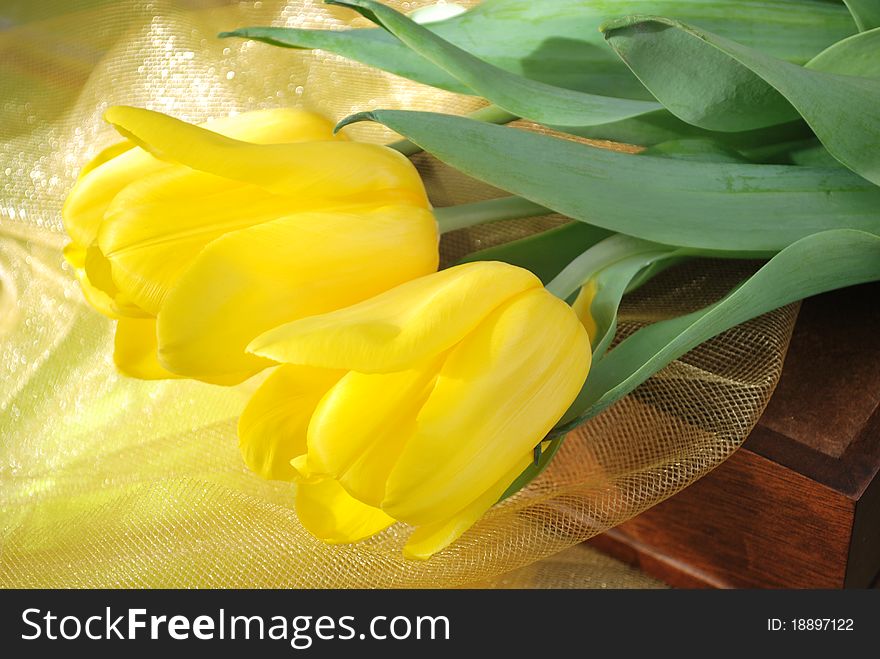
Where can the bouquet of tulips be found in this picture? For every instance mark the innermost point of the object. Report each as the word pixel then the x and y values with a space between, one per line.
pixel 397 392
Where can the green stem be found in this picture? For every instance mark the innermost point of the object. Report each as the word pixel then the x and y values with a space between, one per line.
pixel 451 218
pixel 490 114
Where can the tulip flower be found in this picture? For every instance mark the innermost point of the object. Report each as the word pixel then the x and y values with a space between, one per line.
pixel 198 239
pixel 421 405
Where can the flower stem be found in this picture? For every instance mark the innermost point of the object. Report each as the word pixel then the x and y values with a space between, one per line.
pixel 462 216
pixel 490 114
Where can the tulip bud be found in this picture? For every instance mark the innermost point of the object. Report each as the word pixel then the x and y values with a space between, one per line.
pixel 420 405
pixel 198 239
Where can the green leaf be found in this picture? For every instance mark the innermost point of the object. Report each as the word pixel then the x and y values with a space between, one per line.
pixel 698 149
pixel 607 270
pixel 374 47
pixel 697 82
pixel 858 55
pixel 534 470
pixel 546 253
pixel 815 264
pixel 730 207
pixel 516 94
pixel 606 253
pixel 662 126
pixel 866 13
pixel 718 84
pixel 559 42
pixel 717 149
pixel 812 155
pixel 652 271
pixel 611 285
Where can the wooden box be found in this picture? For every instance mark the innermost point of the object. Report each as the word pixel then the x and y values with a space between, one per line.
pixel 798 506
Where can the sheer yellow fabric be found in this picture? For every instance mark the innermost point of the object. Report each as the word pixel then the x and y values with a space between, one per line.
pixel 111 481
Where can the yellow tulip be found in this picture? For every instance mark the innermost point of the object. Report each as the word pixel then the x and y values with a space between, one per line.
pixel 198 239
pixel 422 404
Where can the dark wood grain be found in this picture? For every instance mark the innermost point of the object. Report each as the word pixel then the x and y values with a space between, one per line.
pixel 824 418
pixel 799 504
pixel 752 524
pixel 830 388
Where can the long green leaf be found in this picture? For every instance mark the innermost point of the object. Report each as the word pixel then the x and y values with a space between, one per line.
pixel 662 126
pixel 711 148
pixel 815 264
pixel 858 55
pixel 702 150
pixel 812 155
pixel 611 285
pixel 374 47
pixel 866 13
pixel 728 207
pixel 521 96
pixel 558 41
pixel 718 84
pixel 591 261
pixel 625 263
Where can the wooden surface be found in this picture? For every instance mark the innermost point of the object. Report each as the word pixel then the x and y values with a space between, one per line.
pixel 799 504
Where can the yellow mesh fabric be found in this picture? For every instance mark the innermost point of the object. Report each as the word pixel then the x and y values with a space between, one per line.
pixel 576 567
pixel 108 481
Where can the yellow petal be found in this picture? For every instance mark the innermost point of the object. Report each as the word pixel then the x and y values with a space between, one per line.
pixel 248 281
pixel 272 428
pixel 94 190
pixel 581 307
pixel 329 513
pixel 498 394
pixel 330 170
pixel 98 278
pixel 156 227
pixel 427 540
pixel 135 352
pixel 360 427
pixel 403 326
pixel 135 349
pixel 118 165
pixel 106 155
pixel 275 126
pixel 75 255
